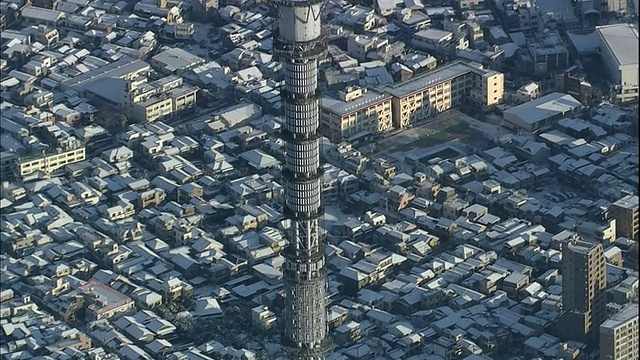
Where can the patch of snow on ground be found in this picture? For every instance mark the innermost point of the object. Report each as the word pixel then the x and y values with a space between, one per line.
pixel 333 215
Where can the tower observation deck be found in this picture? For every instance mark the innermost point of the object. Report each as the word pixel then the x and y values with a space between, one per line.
pixel 299 40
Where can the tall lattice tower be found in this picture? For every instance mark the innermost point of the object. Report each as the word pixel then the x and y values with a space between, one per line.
pixel 299 41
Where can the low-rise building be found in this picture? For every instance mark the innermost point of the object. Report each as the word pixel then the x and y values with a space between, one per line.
pixel 184 31
pixel 41 16
pixel 48 163
pixel 263 318
pixel 433 40
pixel 548 53
pixel 358 113
pixel 175 61
pixel 543 112
pixel 103 302
pixel 164 98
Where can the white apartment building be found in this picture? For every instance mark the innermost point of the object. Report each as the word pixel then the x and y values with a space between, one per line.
pixel 49 163
pixel 148 102
pixel 619 335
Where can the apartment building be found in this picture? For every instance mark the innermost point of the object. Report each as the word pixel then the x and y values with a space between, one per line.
pixel 625 211
pixel 184 30
pixel 49 163
pixel 548 53
pixel 183 98
pixel 619 335
pixel 487 88
pixel 164 98
pixel 446 87
pixel 357 113
pixel 152 109
pixel 584 282
pixel 359 45
pixel 474 32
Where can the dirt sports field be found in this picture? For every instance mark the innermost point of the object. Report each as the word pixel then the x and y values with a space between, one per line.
pixel 448 126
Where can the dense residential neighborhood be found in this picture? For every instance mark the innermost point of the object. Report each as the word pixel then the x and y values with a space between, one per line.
pixel 479 179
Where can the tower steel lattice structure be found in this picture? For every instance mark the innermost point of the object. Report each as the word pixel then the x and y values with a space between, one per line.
pixel 299 40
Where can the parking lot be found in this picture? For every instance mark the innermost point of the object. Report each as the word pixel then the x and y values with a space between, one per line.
pixel 556 195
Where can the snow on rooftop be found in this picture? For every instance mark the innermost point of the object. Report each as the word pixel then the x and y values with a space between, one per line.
pixel 544 107
pixel 622 41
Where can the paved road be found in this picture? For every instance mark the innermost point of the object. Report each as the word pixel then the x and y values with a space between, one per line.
pixel 491 131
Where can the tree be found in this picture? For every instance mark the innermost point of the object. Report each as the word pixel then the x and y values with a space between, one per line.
pixel 111 120
pixel 184 324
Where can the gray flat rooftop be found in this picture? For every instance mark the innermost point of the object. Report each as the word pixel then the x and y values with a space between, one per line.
pixel 552 44
pixel 628 313
pixel 544 107
pixel 581 246
pixel 110 89
pixel 628 202
pixel 176 58
pixel 622 41
pixel 115 70
pixel 35 12
pixel 425 80
pixel 340 107
pixel 433 34
pixel 583 41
